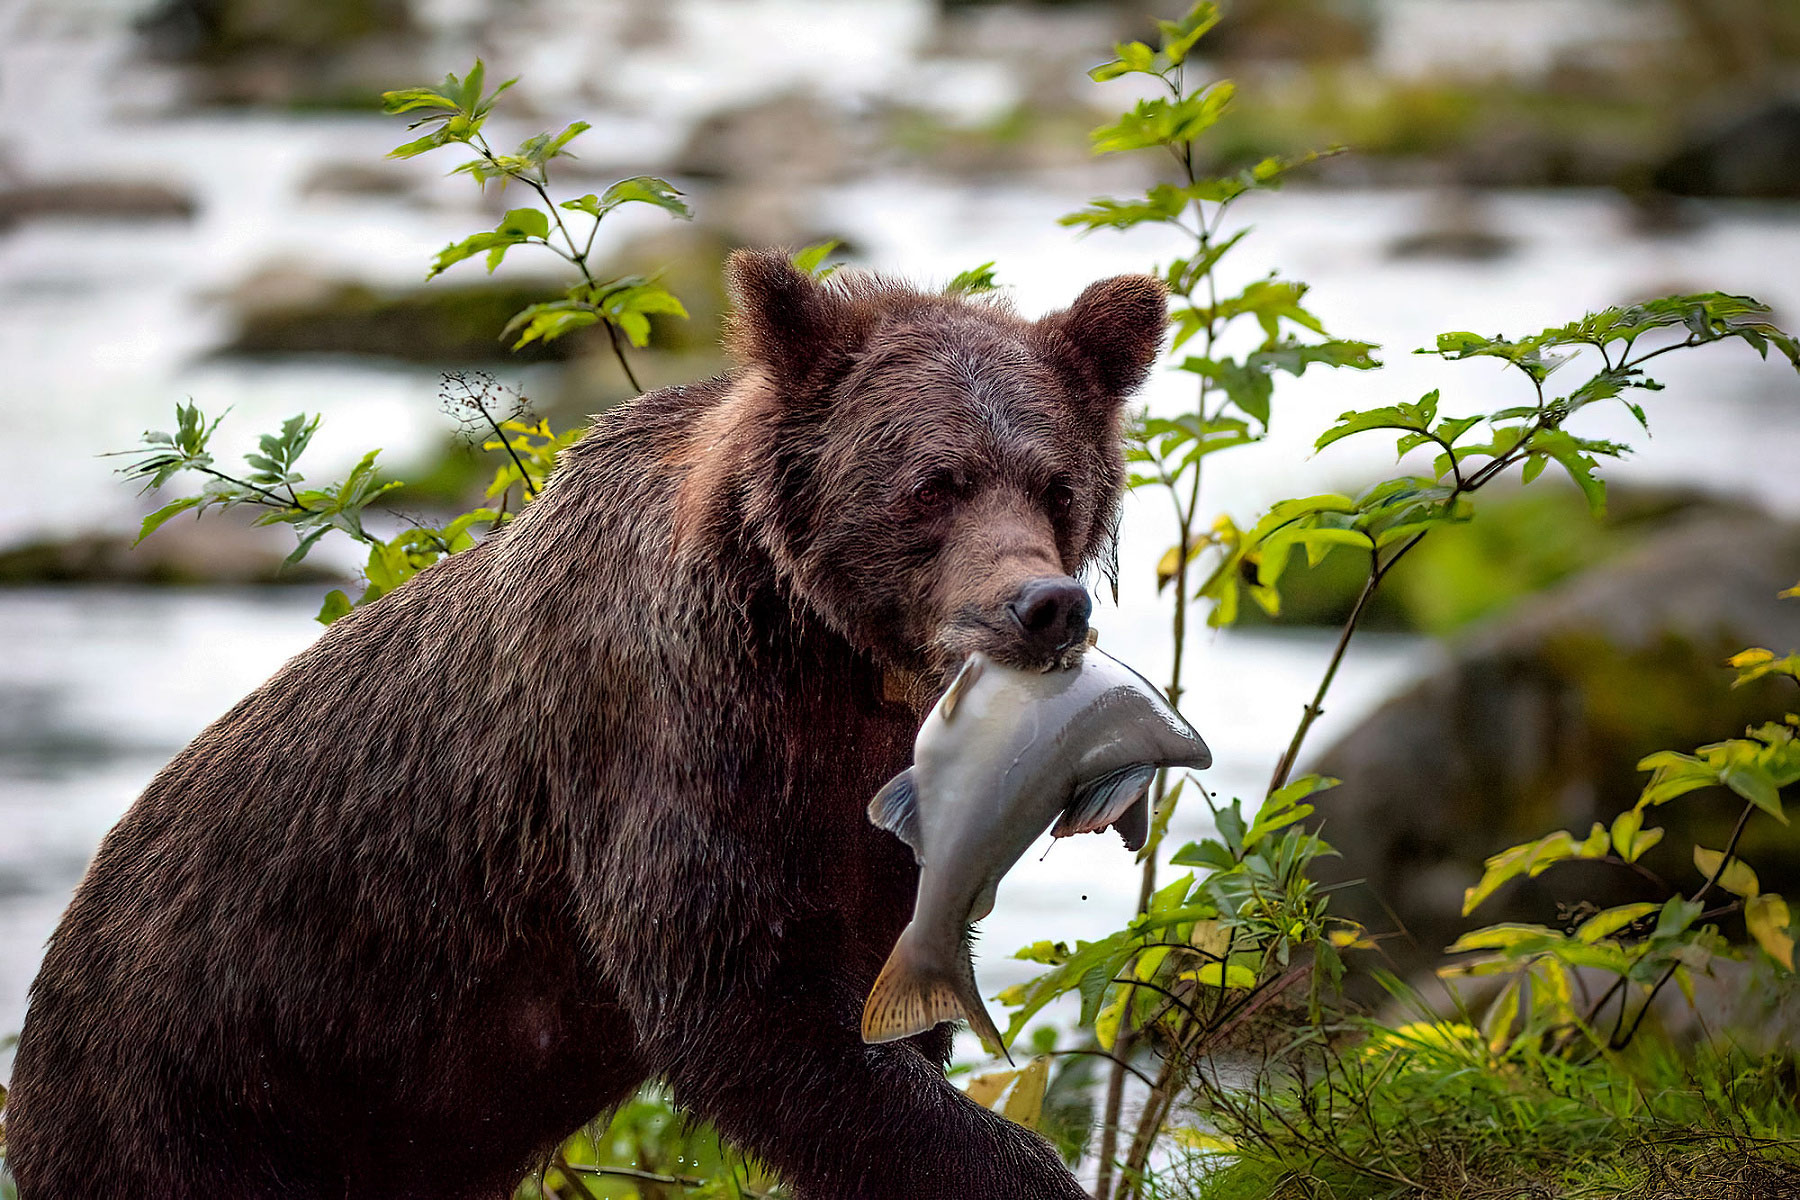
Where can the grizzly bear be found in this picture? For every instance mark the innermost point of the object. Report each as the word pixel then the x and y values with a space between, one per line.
pixel 584 806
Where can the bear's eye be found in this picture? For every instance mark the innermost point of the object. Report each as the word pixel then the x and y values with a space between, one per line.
pixel 1060 497
pixel 934 492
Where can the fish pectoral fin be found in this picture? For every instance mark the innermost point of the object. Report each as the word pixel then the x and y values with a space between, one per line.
pixel 910 996
pixel 895 808
pixel 1110 800
pixel 1134 825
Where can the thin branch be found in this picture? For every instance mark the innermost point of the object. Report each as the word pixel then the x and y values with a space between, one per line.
pixel 1622 1038
pixel 681 1181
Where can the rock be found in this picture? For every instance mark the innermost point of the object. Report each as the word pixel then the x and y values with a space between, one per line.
pixel 1537 723
pixel 380 180
pixel 794 138
pixel 319 53
pixel 94 200
pixel 286 310
pixel 222 548
pixel 215 29
pixel 1757 154
pixel 1456 226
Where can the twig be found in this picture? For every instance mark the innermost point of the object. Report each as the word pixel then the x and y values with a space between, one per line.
pixel 1622 1038
pixel 682 1181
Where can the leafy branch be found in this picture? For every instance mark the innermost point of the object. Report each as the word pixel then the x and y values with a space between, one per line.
pixel 454 113
pixel 1232 394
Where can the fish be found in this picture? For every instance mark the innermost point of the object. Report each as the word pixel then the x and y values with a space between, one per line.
pixel 1005 754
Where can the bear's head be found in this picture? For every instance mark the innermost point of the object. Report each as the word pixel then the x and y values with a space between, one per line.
pixel 926 474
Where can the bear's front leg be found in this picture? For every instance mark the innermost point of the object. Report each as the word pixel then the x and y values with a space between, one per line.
pixel 841 1120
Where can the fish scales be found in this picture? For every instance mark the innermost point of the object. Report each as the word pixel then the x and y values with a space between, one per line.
pixel 1003 756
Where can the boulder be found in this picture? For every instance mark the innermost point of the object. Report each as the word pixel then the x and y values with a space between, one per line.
pixel 1536 722
pixel 219 549
pixel 93 200
pixel 1756 154
pixel 289 311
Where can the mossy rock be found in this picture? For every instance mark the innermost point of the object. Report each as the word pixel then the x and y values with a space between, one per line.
pixel 1537 723
pixel 436 323
pixel 208 30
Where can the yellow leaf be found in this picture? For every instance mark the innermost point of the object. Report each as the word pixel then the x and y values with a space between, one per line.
pixel 1210 937
pixel 1215 975
pixel 1025 1105
pixel 1625 830
pixel 1792 593
pixel 1611 920
pixel 1497 1022
pixel 1167 567
pixel 1767 916
pixel 1106 1021
pixel 1749 658
pixel 1738 878
pixel 1205 1143
pixel 1596 842
pixel 985 1089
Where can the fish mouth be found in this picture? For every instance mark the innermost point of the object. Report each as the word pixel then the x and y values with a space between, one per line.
pixel 995 635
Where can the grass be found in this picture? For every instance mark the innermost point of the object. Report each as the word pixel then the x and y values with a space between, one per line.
pixel 1430 1109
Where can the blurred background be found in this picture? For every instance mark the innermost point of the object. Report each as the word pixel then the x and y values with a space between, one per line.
pixel 195 203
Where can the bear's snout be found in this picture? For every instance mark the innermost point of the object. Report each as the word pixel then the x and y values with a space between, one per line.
pixel 1051 615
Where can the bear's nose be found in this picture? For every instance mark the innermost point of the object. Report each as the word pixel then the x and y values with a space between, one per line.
pixel 1051 612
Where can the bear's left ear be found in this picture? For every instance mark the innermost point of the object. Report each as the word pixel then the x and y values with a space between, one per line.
pixel 1111 334
pixel 782 318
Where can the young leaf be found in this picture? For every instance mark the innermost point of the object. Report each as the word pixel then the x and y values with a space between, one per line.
pixel 811 259
pixel 973 281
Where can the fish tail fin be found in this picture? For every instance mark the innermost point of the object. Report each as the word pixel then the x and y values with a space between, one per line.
pixel 912 994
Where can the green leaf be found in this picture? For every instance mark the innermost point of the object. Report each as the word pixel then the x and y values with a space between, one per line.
pixel 1677 914
pixel 973 281
pixel 336 605
pixel 1178 37
pixel 639 189
pixel 1530 859
pixel 1414 417
pixel 811 259
pixel 1161 122
pixel 1753 783
pixel 549 321
pixel 1567 452
pixel 155 520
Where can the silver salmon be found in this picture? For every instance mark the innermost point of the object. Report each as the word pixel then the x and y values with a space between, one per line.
pixel 1004 755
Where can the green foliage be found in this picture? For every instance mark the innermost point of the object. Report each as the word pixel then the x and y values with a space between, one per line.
pixel 452 114
pixel 1644 946
pixel 1435 1108
pixel 646 1151
pixel 972 282
pixel 1251 908
pixel 812 259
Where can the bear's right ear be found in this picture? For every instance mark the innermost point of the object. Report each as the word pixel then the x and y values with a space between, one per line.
pixel 1111 334
pixel 782 318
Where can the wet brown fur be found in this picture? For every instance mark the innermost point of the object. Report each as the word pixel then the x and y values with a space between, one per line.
pixel 583 806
